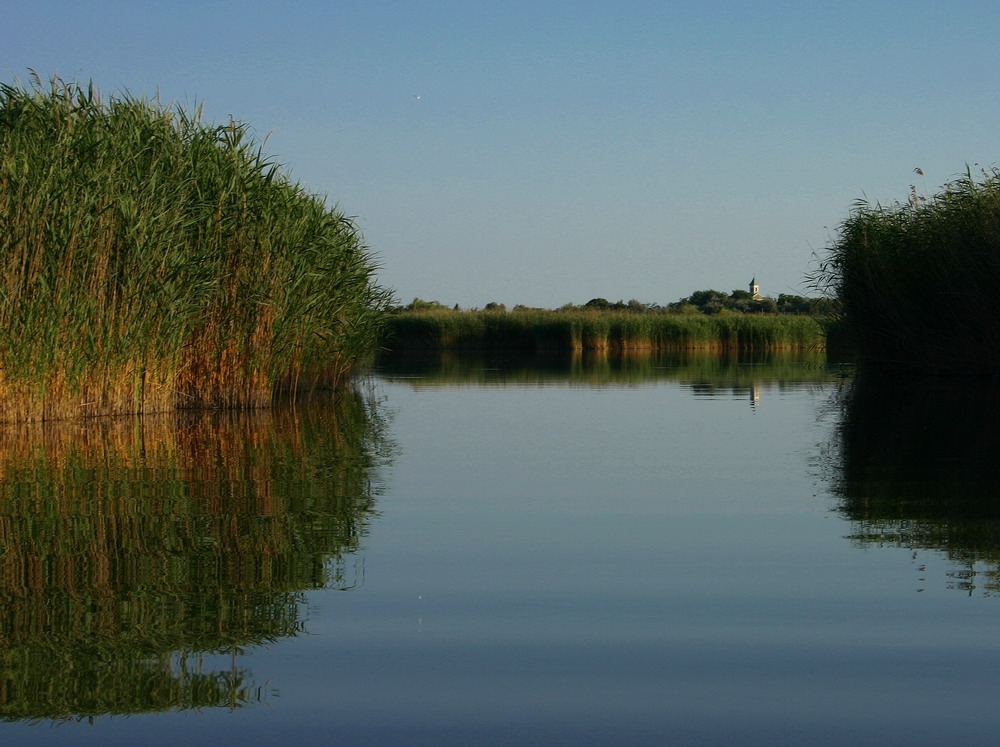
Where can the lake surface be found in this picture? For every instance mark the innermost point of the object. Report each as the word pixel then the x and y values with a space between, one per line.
pixel 657 550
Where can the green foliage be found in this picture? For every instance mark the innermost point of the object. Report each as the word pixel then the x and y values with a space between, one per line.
pixel 149 260
pixel 418 304
pixel 742 302
pixel 706 301
pixel 700 302
pixel 583 329
pixel 918 281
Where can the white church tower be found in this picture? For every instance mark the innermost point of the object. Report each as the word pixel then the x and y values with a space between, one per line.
pixel 755 289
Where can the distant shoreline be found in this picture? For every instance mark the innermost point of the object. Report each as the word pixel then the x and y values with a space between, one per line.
pixel 540 331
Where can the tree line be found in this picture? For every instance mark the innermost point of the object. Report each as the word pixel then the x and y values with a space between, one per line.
pixel 707 302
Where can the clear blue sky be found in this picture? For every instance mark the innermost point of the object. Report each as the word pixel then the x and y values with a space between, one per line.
pixel 561 151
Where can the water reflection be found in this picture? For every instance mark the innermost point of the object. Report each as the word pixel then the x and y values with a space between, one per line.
pixel 914 464
pixel 918 469
pixel 141 557
pixel 705 372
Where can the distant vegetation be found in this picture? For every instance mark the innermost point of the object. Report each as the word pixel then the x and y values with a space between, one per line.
pixel 708 302
pixel 151 261
pixel 918 281
pixel 706 319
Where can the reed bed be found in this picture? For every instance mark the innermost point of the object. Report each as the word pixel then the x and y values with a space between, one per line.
pixel 597 330
pixel 152 261
pixel 919 280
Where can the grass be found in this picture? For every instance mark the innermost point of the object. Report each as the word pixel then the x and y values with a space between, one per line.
pixel 151 261
pixel 540 330
pixel 919 281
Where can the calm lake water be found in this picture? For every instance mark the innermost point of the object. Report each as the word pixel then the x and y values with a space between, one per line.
pixel 668 550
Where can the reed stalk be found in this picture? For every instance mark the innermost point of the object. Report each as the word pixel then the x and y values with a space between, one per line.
pixel 540 330
pixel 919 280
pixel 151 261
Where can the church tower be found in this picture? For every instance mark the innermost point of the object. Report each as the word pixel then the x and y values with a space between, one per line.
pixel 755 289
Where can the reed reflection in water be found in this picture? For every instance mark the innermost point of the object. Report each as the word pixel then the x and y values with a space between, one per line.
pixel 713 369
pixel 917 468
pixel 141 557
pixel 913 463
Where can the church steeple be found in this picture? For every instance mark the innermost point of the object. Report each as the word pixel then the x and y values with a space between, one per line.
pixel 755 289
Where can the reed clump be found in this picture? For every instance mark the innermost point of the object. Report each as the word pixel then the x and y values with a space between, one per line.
pixel 152 261
pixel 540 330
pixel 919 281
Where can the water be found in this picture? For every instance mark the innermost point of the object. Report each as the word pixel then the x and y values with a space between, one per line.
pixel 668 551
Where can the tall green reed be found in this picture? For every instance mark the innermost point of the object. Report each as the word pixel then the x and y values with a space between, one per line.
pixel 150 260
pixel 920 281
pixel 540 330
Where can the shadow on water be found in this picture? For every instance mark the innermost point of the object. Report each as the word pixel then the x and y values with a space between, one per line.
pixel 917 467
pixel 141 557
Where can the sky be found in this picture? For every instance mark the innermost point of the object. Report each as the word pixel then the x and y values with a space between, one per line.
pixel 549 152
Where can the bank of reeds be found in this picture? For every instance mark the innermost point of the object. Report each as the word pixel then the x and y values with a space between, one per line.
pixel 540 330
pixel 152 261
pixel 919 280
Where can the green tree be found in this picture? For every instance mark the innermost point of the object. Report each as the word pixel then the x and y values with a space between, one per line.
pixel 707 301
